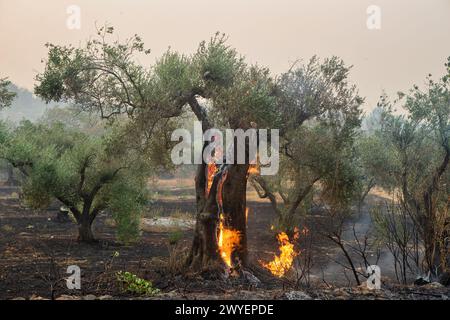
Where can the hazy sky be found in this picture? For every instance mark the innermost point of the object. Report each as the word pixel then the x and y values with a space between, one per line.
pixel 414 38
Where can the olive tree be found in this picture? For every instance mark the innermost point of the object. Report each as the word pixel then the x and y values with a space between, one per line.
pixel 6 98
pixel 320 114
pixel 214 84
pixel 413 159
pixel 87 174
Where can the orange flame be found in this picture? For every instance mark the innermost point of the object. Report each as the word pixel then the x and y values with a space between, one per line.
pixel 211 171
pixel 212 168
pixel 229 240
pixel 254 169
pixel 281 263
pixel 246 214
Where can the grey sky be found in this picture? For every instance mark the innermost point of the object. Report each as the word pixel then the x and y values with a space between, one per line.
pixel 414 39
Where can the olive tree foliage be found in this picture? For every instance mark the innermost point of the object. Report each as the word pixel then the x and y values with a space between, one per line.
pixel 104 77
pixel 410 157
pixel 214 83
pixel 320 114
pixel 87 174
pixel 6 96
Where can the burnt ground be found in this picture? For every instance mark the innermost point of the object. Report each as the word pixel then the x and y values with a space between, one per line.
pixel 36 249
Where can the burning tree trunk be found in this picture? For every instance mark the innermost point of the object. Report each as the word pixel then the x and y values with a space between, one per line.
pixel 233 222
pixel 220 233
pixel 220 236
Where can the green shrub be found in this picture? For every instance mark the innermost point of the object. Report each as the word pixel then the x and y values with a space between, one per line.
pixel 133 284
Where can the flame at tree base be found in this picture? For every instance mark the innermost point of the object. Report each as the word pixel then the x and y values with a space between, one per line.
pixel 282 263
pixel 228 241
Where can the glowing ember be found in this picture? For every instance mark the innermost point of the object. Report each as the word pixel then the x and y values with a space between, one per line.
pixel 254 169
pixel 246 214
pixel 283 262
pixel 212 169
pixel 229 239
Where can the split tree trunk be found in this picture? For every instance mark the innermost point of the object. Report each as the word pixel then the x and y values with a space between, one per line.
pixel 234 208
pixel 85 231
pixel 85 219
pixel 204 250
pixel 229 184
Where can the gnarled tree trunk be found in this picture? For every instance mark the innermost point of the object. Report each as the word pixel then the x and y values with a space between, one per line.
pixel 85 219
pixel 85 231
pixel 227 197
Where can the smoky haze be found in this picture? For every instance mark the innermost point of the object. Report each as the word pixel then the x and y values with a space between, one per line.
pixel 413 40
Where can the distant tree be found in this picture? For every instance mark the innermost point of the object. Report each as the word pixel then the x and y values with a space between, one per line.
pixel 411 154
pixel 371 122
pixel 87 174
pixel 6 96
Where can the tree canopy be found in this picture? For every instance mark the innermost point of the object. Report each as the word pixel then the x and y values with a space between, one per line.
pixel 320 113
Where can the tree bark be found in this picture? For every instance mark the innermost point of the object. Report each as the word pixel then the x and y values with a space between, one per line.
pixel 234 208
pixel 424 214
pixel 85 220
pixel 433 240
pixel 85 231
pixel 227 196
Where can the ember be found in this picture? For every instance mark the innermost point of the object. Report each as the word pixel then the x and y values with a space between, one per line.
pixel 246 214
pixel 212 169
pixel 254 169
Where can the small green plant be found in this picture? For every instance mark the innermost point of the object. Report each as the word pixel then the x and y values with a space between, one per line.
pixel 175 237
pixel 133 284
